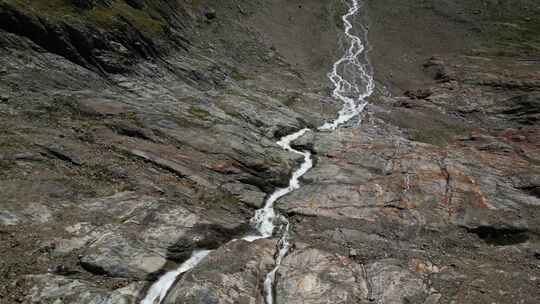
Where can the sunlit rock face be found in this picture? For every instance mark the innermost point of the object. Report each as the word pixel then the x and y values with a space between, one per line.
pixel 396 141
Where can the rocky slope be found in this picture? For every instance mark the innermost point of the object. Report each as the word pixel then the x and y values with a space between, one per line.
pixel 135 132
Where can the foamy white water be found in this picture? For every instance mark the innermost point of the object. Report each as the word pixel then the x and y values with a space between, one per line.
pixel 264 219
pixel 284 247
pixel 160 288
pixel 353 83
pixel 351 75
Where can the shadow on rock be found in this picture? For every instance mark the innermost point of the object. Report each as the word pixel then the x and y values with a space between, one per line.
pixel 202 237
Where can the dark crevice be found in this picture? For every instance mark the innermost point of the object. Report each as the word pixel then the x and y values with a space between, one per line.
pixel 204 236
pixel 59 154
pixel 132 132
pixel 531 190
pixel 501 236
pixel 201 237
pixel 93 269
pixel 84 45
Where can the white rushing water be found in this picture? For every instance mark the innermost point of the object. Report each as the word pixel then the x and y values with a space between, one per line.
pixel 264 219
pixel 284 246
pixel 353 84
pixel 159 289
pixel 351 74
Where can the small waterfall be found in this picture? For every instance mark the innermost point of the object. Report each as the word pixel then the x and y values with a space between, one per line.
pixel 353 83
pixel 284 246
pixel 264 219
pixel 159 289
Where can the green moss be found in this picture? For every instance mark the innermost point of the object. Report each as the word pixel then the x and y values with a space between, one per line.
pixel 134 118
pixel 427 126
pixel 232 113
pixel 184 122
pixel 518 39
pixel 512 32
pixel 230 199
pixel 236 75
pixel 431 136
pixel 101 16
pixel 292 99
pixel 340 10
pixel 196 3
pixel 199 113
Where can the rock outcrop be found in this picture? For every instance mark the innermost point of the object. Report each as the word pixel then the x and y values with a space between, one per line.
pixel 136 132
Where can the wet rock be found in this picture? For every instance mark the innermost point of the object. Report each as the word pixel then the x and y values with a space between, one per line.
pixel 304 143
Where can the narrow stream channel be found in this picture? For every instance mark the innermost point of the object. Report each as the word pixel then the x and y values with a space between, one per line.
pixel 353 84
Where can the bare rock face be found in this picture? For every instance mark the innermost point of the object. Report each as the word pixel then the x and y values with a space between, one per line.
pixel 234 273
pixel 314 276
pixel 51 288
pixel 391 283
pixel 134 133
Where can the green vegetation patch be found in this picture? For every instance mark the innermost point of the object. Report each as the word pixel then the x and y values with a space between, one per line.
pixel 146 20
pixel 199 112
pixel 237 75
pixel 521 35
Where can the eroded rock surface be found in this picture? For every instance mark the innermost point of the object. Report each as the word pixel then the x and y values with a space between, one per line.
pixel 136 132
pixel 234 273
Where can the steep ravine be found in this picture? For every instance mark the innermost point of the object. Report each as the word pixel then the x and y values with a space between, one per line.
pixel 353 83
pixel 155 141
